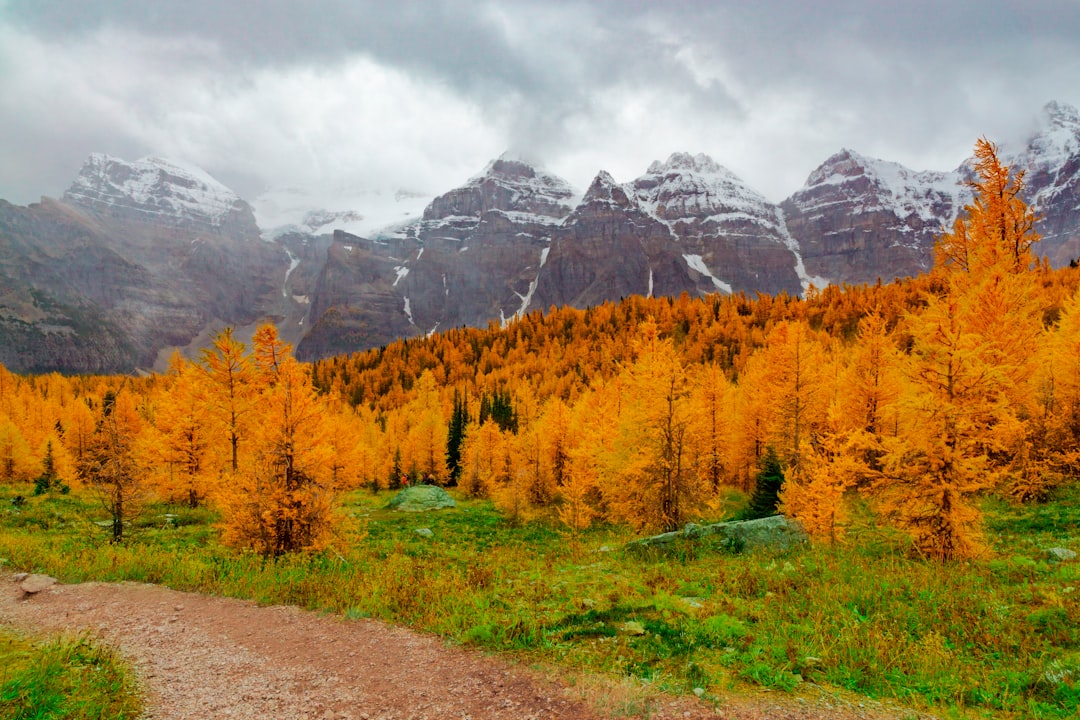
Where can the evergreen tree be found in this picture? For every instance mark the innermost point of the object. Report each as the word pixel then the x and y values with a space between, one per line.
pixel 767 484
pixel 455 436
pixel 48 479
pixel 396 473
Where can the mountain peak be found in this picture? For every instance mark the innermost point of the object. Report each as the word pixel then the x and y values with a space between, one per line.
pixel 604 189
pixel 1059 114
pixel 695 186
pixel 699 164
pixel 153 186
pixel 1055 141
pixel 510 185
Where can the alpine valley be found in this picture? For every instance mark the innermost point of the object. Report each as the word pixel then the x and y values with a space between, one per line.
pixel 139 258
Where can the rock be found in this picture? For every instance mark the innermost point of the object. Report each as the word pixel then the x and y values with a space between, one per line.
pixel 699 691
pixel 424 532
pixel 633 627
pixel 19 577
pixel 771 533
pixel 1061 554
pixel 34 584
pixel 421 498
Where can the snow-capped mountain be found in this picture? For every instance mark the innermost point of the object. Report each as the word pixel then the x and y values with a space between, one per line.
pixel 859 218
pixel 525 192
pixel 157 190
pixel 695 187
pixel 730 232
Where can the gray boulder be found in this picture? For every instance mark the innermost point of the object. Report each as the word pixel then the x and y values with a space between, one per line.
pixel 1061 554
pixel 33 584
pixel 771 533
pixel 421 498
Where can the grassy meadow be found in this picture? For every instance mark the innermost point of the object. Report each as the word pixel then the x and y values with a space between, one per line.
pixel 993 637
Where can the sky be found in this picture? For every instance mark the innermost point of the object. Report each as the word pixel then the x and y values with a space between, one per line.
pixel 346 97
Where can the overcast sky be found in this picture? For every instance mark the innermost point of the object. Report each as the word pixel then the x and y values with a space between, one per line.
pixel 353 95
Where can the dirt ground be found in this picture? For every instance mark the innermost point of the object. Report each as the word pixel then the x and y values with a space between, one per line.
pixel 207 657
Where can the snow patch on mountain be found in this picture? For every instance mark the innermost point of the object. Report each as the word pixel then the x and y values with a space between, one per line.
pixel 526 299
pixel 805 278
pixel 697 263
pixel 294 262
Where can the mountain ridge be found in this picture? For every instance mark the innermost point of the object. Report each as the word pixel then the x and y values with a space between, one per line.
pixel 180 253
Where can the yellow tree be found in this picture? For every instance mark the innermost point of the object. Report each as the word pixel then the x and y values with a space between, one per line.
pixel 428 431
pixel 649 481
pixel 787 386
pixel 17 461
pixel 1055 423
pixel 182 440
pixel 480 457
pixel 710 415
pixel 230 389
pixel 557 440
pixel 284 503
pixel 816 495
pixel 594 424
pixel 110 466
pixel 971 357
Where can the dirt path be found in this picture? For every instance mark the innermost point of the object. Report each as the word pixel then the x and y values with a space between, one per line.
pixel 205 657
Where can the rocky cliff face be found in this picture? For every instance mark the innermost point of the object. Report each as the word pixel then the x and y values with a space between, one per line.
pixel 469 260
pixel 729 233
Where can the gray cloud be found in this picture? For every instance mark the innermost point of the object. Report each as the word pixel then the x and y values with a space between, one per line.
pixel 420 94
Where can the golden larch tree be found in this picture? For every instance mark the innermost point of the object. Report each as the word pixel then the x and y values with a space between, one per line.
pixel 284 502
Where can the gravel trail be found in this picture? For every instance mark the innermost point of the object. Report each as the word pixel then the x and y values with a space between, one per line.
pixel 202 657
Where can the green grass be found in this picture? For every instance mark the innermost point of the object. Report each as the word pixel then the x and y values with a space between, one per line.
pixel 997 637
pixel 74 679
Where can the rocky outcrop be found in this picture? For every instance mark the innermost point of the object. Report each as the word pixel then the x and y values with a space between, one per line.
pixel 776 533
pixel 421 498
